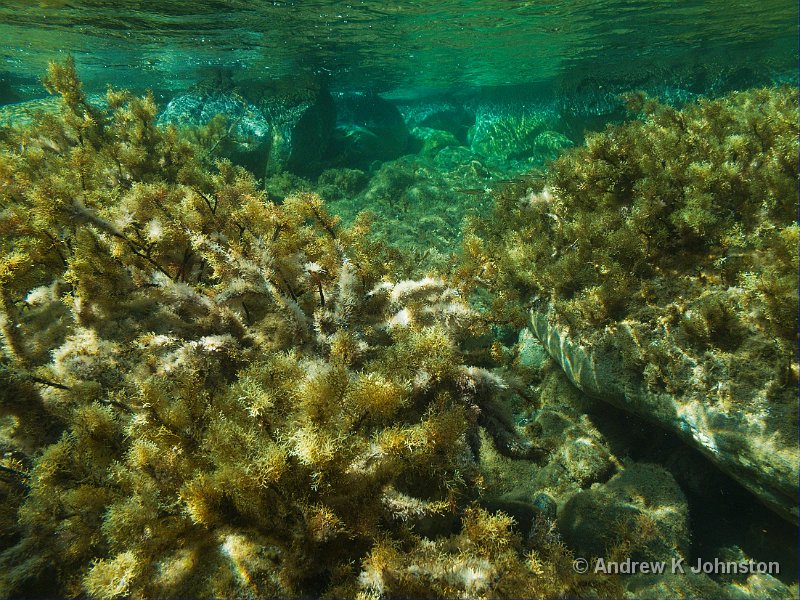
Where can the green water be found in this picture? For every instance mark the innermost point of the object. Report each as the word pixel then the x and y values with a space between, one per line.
pixel 569 61
pixel 404 48
pixel 431 115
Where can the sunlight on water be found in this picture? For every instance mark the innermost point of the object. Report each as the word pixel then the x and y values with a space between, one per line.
pixel 410 299
pixel 407 47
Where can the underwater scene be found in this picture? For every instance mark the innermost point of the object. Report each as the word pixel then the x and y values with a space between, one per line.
pixel 453 299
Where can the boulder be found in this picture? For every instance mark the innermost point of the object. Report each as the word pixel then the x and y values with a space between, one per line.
pixel 246 140
pixel 429 142
pixel 456 119
pixel 20 114
pixel 521 135
pixel 738 440
pixel 276 133
pixel 353 146
pixel 368 128
pixel 444 116
pixel 640 509
pixel 302 123
pixel 335 184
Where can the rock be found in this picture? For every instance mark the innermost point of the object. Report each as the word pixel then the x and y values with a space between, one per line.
pixel 335 184
pixel 546 505
pixel 457 120
pixel 517 135
pixel 530 352
pixel 549 144
pixel 444 116
pixel 454 158
pixel 523 513
pixel 248 138
pixel 761 586
pixel 302 122
pixel 741 443
pixel 690 584
pixel 578 455
pixel 368 128
pixel 669 585
pixel 429 142
pixel 8 95
pixel 283 184
pixel 20 114
pixel 355 146
pixel 641 507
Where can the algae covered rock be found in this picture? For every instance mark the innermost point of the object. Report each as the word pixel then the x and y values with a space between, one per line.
pixel 430 141
pixel 22 113
pixel 659 263
pixel 524 135
pixel 279 131
pixel 336 184
pixel 551 411
pixel 368 128
pixel 243 132
pixel 667 586
pixel 446 116
pixel 302 120
pixel 640 508
pixel 745 448
pixel 418 205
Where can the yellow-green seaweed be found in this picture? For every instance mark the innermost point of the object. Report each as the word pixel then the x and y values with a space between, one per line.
pixel 659 266
pixel 213 395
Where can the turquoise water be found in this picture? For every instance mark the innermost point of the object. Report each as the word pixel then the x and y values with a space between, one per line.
pixel 131 414
pixel 565 63
pixel 405 48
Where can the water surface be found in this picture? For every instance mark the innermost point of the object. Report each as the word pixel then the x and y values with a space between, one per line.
pixel 400 48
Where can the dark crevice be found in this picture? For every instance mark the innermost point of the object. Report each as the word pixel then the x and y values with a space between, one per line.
pixel 722 512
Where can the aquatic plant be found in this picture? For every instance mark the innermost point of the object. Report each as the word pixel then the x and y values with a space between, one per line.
pixel 506 134
pixel 481 561
pixel 209 394
pixel 711 186
pixel 665 251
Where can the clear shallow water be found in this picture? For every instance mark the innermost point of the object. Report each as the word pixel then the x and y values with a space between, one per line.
pixel 524 81
pixel 402 49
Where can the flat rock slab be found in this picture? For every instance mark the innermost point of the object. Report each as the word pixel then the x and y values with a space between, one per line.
pixel 738 441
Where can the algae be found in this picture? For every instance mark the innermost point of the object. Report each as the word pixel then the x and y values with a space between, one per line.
pixel 210 394
pixel 659 266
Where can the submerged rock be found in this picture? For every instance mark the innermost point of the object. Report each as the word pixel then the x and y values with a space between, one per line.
pixel 429 142
pixel 517 134
pixel 279 132
pixel 336 184
pixel 368 128
pixel 356 146
pixel 660 265
pixel 640 509
pixel 545 504
pixel 302 124
pixel 245 138
pixel 735 439
pixel 22 113
pixel 444 116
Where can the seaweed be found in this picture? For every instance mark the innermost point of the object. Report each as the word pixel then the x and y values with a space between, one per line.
pixel 678 225
pixel 216 395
